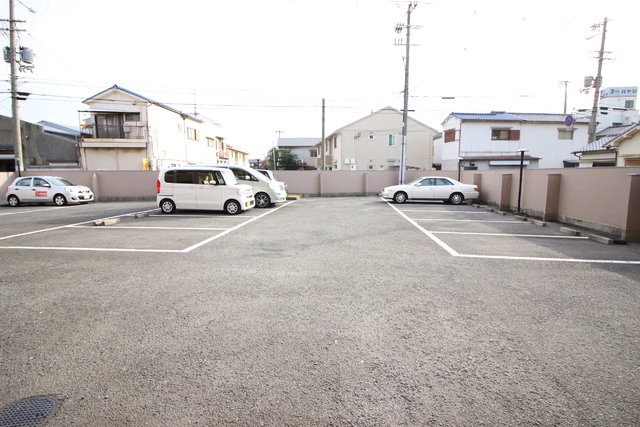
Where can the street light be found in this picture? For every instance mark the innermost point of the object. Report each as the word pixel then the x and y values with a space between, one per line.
pixel 521 151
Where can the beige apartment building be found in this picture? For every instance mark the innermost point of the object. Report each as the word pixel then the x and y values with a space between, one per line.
pixel 375 142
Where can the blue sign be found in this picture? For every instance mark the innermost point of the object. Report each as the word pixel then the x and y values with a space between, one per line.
pixel 568 120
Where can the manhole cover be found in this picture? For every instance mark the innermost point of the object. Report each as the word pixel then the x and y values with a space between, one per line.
pixel 29 412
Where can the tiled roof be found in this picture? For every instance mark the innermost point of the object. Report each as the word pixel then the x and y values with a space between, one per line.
pixel 503 116
pixel 604 137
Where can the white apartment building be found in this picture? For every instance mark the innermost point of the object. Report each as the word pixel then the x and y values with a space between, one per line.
pixel 123 130
pixel 484 141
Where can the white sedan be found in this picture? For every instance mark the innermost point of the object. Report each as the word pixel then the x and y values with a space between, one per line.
pixel 432 188
pixel 47 189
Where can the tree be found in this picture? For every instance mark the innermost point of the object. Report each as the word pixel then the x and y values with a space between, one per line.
pixel 288 160
pixel 272 158
pixel 284 159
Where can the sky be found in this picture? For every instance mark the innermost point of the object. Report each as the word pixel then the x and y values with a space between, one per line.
pixel 261 68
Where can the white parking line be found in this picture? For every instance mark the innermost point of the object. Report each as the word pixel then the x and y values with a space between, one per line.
pixel 548 236
pixel 467 220
pixel 225 231
pixel 430 211
pixel 127 227
pixel 454 253
pixel 20 212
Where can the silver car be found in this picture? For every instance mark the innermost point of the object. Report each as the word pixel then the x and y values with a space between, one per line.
pixel 47 189
pixel 432 188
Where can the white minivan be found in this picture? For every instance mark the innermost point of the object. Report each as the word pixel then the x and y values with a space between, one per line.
pixel 197 187
pixel 265 191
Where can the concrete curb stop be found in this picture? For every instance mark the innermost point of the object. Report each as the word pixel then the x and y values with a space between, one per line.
pixel 601 239
pixel 104 222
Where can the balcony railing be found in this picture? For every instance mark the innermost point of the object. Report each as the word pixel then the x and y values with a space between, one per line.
pixel 125 131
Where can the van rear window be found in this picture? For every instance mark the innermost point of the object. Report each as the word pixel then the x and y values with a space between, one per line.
pixel 168 176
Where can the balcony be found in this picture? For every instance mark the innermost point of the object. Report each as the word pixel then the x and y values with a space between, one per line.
pixel 124 131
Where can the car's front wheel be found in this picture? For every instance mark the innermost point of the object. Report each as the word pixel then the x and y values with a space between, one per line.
pixel 59 200
pixel 263 200
pixel 456 199
pixel 400 197
pixel 13 201
pixel 232 207
pixel 167 206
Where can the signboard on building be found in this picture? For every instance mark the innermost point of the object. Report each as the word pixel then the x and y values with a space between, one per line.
pixel 620 92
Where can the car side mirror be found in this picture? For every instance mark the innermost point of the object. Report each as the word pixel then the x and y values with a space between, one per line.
pixel 46 185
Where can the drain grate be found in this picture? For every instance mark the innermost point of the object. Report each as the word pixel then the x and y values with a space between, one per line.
pixel 29 412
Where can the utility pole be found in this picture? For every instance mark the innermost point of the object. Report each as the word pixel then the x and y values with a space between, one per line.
pixel 275 151
pixel 598 83
pixel 403 149
pixel 322 140
pixel 15 106
pixel 565 83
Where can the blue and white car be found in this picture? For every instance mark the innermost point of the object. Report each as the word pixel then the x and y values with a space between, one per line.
pixel 47 189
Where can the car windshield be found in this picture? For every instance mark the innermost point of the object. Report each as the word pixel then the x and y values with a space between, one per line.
pixel 61 182
pixel 229 177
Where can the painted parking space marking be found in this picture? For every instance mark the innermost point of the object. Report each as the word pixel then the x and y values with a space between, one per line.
pixel 20 212
pixel 465 220
pixel 455 253
pixel 84 224
pixel 544 236
pixel 128 227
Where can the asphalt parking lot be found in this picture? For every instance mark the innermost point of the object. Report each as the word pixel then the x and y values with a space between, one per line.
pixel 319 312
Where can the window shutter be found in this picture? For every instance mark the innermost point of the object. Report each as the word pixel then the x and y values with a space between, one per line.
pixel 514 135
pixel 449 136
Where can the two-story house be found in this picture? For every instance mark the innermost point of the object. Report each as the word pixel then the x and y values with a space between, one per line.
pixel 123 130
pixel 304 148
pixel 483 141
pixel 375 143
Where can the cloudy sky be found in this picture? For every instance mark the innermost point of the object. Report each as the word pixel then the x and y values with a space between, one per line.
pixel 263 66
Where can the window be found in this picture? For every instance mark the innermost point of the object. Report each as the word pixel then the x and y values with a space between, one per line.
pixel 313 153
pixel 211 142
pixel 39 182
pixel 630 103
pixel 450 135
pixel 371 137
pixel 184 177
pixel 193 134
pixel 565 134
pixel 392 140
pixel 131 117
pixel 26 182
pixel 335 142
pixel 505 134
pixel 109 126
